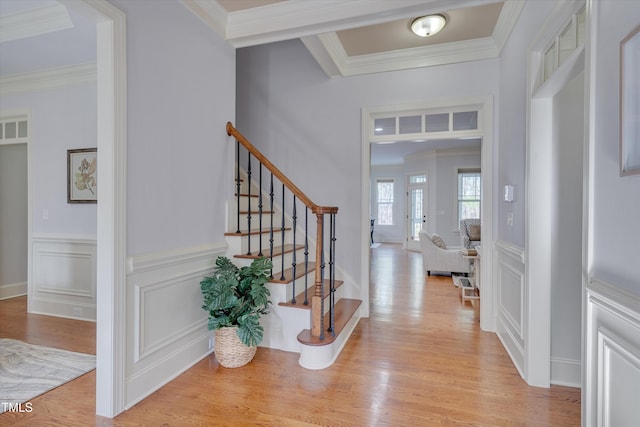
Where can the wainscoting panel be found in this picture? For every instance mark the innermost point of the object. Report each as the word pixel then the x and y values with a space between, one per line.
pixel 612 372
pixel 63 276
pixel 167 327
pixel 510 301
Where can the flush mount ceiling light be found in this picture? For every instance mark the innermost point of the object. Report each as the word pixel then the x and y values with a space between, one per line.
pixel 429 25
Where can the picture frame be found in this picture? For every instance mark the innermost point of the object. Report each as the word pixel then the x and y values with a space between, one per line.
pixel 82 175
pixel 630 103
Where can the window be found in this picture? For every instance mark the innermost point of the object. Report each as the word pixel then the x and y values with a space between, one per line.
pixel 385 201
pixel 469 194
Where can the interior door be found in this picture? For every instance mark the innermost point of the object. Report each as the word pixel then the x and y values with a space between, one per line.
pixel 416 209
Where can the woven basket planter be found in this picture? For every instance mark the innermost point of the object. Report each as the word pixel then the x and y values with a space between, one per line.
pixel 230 352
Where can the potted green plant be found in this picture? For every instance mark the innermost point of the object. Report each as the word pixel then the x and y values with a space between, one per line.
pixel 235 298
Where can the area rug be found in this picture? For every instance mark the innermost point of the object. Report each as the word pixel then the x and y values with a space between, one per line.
pixel 28 370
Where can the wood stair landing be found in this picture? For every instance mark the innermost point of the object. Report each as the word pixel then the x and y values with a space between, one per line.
pixel 344 311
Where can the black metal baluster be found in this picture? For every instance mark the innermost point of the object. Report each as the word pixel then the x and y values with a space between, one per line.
pixel 293 263
pixel 282 228
pixel 322 289
pixel 306 255
pixel 238 186
pixel 332 274
pixel 249 201
pixel 260 210
pixel 271 194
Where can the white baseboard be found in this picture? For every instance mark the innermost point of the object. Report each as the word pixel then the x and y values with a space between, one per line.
pixel 566 372
pixel 13 290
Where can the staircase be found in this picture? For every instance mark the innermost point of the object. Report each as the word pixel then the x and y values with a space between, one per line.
pixel 313 313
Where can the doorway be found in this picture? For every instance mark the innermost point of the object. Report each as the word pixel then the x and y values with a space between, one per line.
pixel 483 130
pixel 416 209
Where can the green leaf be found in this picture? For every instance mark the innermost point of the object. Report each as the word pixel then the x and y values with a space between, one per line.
pixel 250 331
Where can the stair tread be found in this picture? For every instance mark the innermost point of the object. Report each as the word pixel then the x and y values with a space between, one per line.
pixel 264 212
pixel 344 310
pixel 288 273
pixel 300 297
pixel 246 195
pixel 255 231
pixel 277 250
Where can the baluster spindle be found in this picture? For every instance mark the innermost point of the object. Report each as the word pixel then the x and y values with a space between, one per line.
pixel 271 194
pixel 293 262
pixel 238 186
pixel 282 228
pixel 249 202
pixel 260 210
pixel 332 274
pixel 306 255
pixel 322 290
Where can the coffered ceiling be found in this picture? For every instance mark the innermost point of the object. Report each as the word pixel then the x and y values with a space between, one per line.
pixel 349 37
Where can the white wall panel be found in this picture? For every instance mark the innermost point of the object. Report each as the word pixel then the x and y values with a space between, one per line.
pixel 511 292
pixel 64 276
pixel 164 303
pixel 612 374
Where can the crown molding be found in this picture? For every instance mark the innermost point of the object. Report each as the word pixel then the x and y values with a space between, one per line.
pixel 403 59
pixel 211 13
pixel 507 20
pixel 34 22
pixel 53 78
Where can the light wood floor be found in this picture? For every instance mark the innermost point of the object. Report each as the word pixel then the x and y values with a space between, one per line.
pixel 419 360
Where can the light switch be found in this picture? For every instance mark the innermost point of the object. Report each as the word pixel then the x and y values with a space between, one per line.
pixel 510 219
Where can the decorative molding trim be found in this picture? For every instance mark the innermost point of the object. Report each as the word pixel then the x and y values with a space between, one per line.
pixel 510 260
pixel 143 263
pixel 148 291
pixel 69 260
pixel 53 78
pixel 162 348
pixel 616 300
pixel 507 20
pixel 511 250
pixel 612 354
pixel 34 22
pixel 516 324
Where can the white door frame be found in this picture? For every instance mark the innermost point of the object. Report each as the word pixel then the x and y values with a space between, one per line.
pixel 487 308
pixel 538 230
pixel 111 208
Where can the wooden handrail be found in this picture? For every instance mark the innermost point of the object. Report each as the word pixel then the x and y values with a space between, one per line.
pixel 231 131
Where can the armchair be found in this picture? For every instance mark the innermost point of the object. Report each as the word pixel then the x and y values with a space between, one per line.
pixel 435 258
pixel 470 233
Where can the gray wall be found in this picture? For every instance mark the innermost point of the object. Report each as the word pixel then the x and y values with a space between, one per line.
pixel 61 119
pixel 616 199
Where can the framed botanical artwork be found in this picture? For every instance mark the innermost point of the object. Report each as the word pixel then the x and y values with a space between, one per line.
pixel 630 103
pixel 82 175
